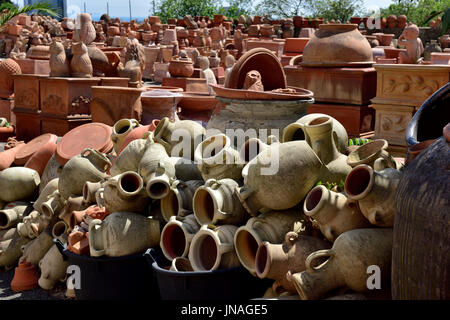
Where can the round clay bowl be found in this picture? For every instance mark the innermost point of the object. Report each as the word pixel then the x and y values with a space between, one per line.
pixel 391 53
pixel 25 153
pixel 179 68
pixel 262 60
pixel 300 94
pixel 349 47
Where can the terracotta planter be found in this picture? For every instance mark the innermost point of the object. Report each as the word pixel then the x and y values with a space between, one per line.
pixel 356 20
pixel 181 68
pixel 385 38
pixel 196 106
pixel 392 52
pixel 18 183
pixel 25 278
pixel 157 104
pixel 179 200
pixel 120 130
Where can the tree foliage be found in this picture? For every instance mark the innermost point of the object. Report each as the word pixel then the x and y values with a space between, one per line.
pixel 341 10
pixel 281 8
pixel 7 12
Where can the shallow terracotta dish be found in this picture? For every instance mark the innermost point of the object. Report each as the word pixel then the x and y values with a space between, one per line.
pixel 300 94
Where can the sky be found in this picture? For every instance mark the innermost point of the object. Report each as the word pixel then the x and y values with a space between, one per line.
pixel 141 8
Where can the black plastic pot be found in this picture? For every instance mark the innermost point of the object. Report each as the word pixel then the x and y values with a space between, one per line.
pixel 224 284
pixel 117 278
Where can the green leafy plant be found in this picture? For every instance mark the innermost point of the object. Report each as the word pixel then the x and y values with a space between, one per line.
pixel 358 141
pixel 332 185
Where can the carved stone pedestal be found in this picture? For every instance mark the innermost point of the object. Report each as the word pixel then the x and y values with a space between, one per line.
pixel 27 91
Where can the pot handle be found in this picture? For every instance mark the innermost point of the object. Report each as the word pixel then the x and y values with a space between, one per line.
pixel 315 255
pixel 291 237
pixel 93 227
pixel 60 247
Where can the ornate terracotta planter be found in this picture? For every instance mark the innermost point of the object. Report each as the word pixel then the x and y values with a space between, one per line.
pixel 159 103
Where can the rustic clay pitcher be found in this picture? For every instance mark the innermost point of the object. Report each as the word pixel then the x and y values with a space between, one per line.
pixel 217 159
pixel 271 226
pixel 273 261
pixel 216 203
pixel 53 268
pixel 47 191
pixel 254 146
pixel 35 250
pixel 60 231
pixel 13 213
pixel 375 192
pixel 53 206
pixel 18 183
pixel 129 158
pixel 178 202
pixel 126 192
pixel 212 248
pixel 371 151
pixel 333 212
pixel 11 249
pixel 177 235
pixel 122 233
pixel 90 165
pixel 89 190
pixel 352 253
pixel 120 130
pixel 51 171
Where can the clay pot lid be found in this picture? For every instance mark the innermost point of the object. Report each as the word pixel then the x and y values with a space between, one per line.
pixel 26 277
pixel 91 135
pixel 239 94
pixel 33 146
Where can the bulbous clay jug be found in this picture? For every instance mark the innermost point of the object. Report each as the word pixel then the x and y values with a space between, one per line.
pixel 370 152
pixel 280 177
pixel 13 213
pixel 52 207
pixel 126 192
pixel 177 235
pixel 35 250
pixel 11 249
pixel 273 261
pixel 217 159
pixel 352 253
pixel 31 225
pixel 90 189
pixel 254 146
pixel 47 191
pixel 90 165
pixel 129 158
pixel 320 132
pixel 51 171
pixel 185 169
pixel 271 226
pixel 216 203
pixel 333 212
pixel 296 131
pixel 178 201
pixel 53 268
pixel 18 183
pixel 169 134
pixel 120 130
pixel 375 192
pixel 212 248
pixel 122 233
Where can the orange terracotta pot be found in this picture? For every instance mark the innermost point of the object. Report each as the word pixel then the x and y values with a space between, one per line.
pixel 7 157
pixel 138 133
pixel 38 161
pixel 26 277
pixel 47 142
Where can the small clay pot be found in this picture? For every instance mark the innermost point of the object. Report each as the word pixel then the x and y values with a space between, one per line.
pixel 181 68
pixel 25 278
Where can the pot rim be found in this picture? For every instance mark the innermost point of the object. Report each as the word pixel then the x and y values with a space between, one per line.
pixel 172 224
pixel 365 192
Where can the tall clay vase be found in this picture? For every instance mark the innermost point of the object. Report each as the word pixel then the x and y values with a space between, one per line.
pixel 18 183
pixel 370 152
pixel 217 159
pixel 53 268
pixel 320 132
pixel 375 192
pixel 120 130
pixel 273 261
pixel 13 213
pixel 11 249
pixel 129 158
pixel 420 260
pixel 270 226
pixel 156 170
pixel 169 133
pixel 352 253
pixel 279 177
pixel 126 192
pixel 90 165
pixel 177 235
pixel 36 249
pixel 122 233
pixel 333 212
pixel 296 131
pixel 212 248
pixel 216 203
pixel 178 201
pixel 138 133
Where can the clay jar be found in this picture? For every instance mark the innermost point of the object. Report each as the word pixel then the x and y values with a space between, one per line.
pixel 120 130
pixel 392 21
pixel 271 226
pixel 11 249
pixel 375 192
pixel 177 235
pixel 168 133
pixel 370 152
pixel 252 147
pixel 402 20
pixel 8 67
pixel 36 249
pixel 179 200
pixel 279 177
pixel 181 67
pixel 322 141
pixel 333 212
pixel 90 165
pixel 129 158
pixel 273 261
pixel 12 214
pixel 138 133
pixel 266 30
pixel 18 183
pixel 352 253
pixel 126 192
pixel 53 268
pixel 122 233
pixel 159 103
pixel 217 203
pixel 212 248
pixel 217 159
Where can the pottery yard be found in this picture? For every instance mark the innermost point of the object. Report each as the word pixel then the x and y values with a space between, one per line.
pixel 216 158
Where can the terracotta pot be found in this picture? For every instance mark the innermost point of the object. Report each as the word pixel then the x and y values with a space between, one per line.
pixel 181 265
pixel 138 133
pixel 392 52
pixel 120 130
pixel 168 132
pixel 39 52
pixel 181 68
pixel 351 47
pixel 402 20
pixel 129 158
pixel 18 183
pixel 178 201
pixel 39 159
pixel 385 38
pixel 216 203
pixel 296 131
pixel 271 226
pixel 212 248
pixel 375 192
pixel 196 106
pixel 392 21
pixel 35 250
pixel 7 156
pixel 71 205
pixel 352 253
pixel 356 20
pixel 126 192
pixel 333 212
pixel 11 250
pixel 13 213
pixel 25 278
pixel 53 268
pixel 90 165
pixel 122 233
pixel 266 187
pixel 177 235
pixel 273 261
pixel 8 67
pixel 157 104
pixel 34 146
